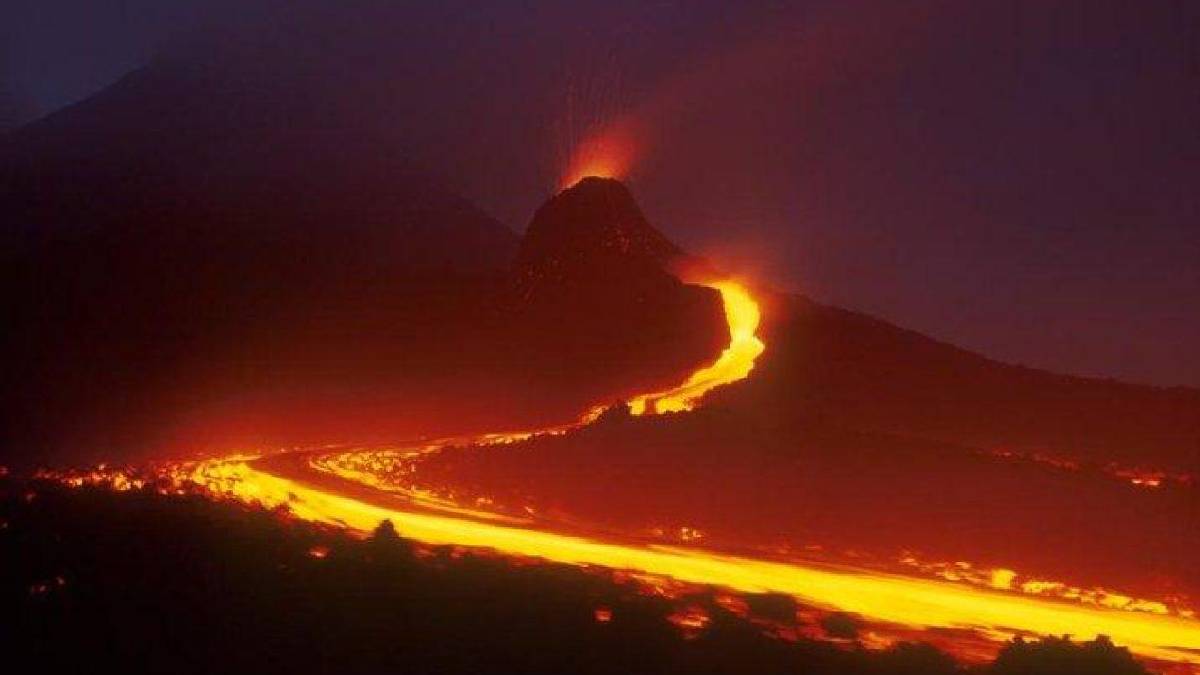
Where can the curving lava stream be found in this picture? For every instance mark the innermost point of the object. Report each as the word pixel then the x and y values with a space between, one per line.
pixel 340 489
pixel 735 363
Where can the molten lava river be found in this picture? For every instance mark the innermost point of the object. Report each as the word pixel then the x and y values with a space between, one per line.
pixel 356 489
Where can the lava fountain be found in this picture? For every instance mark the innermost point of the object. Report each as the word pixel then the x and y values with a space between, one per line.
pixel 607 154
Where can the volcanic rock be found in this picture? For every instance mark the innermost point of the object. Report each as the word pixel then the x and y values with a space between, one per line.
pixel 591 233
pixel 593 289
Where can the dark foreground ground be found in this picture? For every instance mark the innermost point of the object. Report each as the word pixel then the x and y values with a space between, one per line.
pixel 97 581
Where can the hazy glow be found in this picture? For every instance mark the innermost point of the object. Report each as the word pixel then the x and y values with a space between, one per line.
pixel 609 154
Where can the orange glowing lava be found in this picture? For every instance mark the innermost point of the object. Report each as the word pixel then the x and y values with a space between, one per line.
pixel 344 490
pixel 1140 477
pixel 1010 580
pixel 735 363
pixel 917 603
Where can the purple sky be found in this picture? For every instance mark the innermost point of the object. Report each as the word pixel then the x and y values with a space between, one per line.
pixel 1019 178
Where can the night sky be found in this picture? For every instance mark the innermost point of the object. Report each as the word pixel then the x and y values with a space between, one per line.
pixel 1018 178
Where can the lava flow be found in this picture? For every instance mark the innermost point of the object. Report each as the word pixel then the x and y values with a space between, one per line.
pixel 735 363
pixel 341 489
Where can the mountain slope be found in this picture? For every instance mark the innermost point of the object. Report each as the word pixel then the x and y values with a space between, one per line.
pixel 594 299
pixel 187 243
pixel 830 363
pixel 202 261
pixel 173 148
pixel 856 438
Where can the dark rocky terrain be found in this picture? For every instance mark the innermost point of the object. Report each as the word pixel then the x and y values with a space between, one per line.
pixel 140 582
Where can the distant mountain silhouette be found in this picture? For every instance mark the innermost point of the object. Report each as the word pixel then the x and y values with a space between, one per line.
pixel 173 152
pixel 190 243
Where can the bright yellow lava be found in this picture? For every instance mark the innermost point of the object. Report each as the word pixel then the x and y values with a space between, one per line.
pixel 906 601
pixel 993 609
pixel 735 363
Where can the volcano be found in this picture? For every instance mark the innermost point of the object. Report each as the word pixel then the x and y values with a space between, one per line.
pixel 591 234
pixel 590 262
pixel 196 260
pixel 792 473
pixel 284 397
pixel 876 440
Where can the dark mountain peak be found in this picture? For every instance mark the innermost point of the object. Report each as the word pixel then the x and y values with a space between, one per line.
pixel 195 158
pixel 591 231
pixel 595 297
